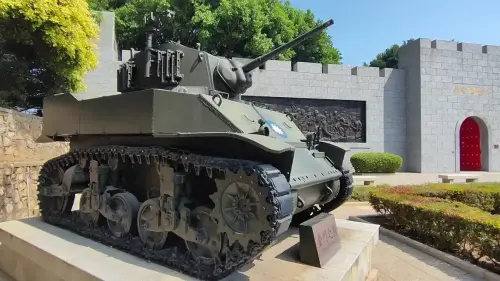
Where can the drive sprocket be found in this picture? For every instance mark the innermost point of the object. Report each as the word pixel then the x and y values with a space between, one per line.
pixel 241 208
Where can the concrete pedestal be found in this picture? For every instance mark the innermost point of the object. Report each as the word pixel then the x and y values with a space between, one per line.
pixel 32 250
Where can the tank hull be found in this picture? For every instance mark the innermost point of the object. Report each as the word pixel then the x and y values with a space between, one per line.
pixel 313 178
pixel 165 183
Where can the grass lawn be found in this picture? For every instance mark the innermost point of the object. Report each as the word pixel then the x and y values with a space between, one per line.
pixel 361 192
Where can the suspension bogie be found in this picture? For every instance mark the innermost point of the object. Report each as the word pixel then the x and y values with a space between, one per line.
pixel 154 196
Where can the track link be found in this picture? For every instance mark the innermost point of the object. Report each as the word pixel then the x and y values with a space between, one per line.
pixel 176 257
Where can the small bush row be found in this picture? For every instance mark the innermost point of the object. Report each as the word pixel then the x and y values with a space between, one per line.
pixel 376 162
pixel 454 219
pixel 485 196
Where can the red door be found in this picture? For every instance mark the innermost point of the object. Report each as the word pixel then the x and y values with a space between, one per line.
pixel 470 146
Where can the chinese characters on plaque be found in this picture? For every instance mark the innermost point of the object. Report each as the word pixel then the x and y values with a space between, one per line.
pixel 472 90
pixel 319 240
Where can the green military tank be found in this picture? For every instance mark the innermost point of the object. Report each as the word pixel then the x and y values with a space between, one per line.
pixel 177 169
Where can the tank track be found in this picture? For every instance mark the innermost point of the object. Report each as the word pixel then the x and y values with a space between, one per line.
pixel 346 189
pixel 234 256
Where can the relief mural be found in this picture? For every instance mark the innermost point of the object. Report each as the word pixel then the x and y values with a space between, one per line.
pixel 337 120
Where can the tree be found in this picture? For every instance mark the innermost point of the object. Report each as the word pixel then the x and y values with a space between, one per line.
pixel 245 28
pixel 389 58
pixel 45 48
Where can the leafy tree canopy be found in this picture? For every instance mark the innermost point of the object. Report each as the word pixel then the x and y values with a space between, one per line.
pixel 389 58
pixel 45 48
pixel 245 28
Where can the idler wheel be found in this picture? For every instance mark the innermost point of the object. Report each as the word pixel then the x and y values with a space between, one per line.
pixel 89 216
pixel 126 206
pixel 148 211
pixel 210 245
pixel 56 205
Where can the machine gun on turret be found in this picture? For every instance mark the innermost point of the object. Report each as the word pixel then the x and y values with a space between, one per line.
pixel 174 66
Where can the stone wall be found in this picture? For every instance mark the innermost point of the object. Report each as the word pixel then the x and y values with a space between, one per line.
pixel 18 133
pixel 18 190
pixel 450 82
pixel 382 90
pixel 20 161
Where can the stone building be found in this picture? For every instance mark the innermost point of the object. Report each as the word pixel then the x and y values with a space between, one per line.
pixel 437 111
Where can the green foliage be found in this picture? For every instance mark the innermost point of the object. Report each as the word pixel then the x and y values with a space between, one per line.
pixel 461 219
pixel 362 193
pixel 389 58
pixel 376 162
pixel 244 28
pixel 46 50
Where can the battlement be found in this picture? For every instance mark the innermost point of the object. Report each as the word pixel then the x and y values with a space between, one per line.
pixel 309 67
pixel 319 68
pixel 427 43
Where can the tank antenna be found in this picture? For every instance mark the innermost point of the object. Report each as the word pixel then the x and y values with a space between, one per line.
pixel 153 24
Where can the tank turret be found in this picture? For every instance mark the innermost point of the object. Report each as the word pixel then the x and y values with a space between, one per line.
pixel 175 66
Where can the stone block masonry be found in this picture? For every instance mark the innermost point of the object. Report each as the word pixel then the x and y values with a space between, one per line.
pixel 21 159
pixel 19 133
pixel 18 190
pixel 449 83
pixel 382 91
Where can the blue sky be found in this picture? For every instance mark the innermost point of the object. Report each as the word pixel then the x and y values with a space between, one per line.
pixel 364 28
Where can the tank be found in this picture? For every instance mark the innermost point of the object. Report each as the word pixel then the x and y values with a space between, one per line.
pixel 177 169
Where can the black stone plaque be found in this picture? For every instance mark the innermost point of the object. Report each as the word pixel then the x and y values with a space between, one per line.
pixel 338 120
pixel 319 240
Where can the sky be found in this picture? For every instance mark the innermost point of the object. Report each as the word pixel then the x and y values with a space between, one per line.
pixel 364 28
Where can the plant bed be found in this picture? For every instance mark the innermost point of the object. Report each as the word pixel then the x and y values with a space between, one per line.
pixel 459 219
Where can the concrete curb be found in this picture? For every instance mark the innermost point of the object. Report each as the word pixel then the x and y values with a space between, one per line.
pixel 372 275
pixel 466 266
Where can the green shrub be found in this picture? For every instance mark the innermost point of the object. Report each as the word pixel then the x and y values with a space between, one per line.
pixel 434 215
pixel 376 162
pixel 362 193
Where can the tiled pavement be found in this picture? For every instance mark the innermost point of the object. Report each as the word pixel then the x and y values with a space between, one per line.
pixel 398 262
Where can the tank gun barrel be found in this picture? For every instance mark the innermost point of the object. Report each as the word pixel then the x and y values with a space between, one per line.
pixel 253 64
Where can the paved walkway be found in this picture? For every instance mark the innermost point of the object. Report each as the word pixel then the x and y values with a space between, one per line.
pixel 417 178
pixel 398 262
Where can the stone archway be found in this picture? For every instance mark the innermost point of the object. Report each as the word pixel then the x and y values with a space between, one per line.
pixel 472 150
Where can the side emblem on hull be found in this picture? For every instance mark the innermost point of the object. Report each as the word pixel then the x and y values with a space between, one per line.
pixel 276 129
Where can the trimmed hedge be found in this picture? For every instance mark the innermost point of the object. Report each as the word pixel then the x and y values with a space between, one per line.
pixel 376 162
pixel 459 219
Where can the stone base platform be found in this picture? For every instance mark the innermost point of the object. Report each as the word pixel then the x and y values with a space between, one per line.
pixel 32 250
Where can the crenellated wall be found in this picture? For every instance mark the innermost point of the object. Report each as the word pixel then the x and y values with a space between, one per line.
pixel 383 91
pixel 415 111
pixel 451 81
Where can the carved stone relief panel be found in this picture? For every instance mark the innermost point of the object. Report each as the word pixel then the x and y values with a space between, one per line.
pixel 337 120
